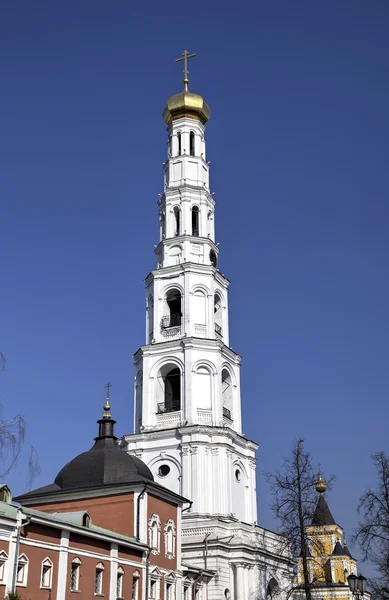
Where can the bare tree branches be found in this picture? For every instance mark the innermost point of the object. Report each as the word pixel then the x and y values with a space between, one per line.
pixel 13 442
pixel 294 502
pixel 373 530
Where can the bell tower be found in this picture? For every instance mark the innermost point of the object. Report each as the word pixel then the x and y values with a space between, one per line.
pixel 187 419
pixel 187 408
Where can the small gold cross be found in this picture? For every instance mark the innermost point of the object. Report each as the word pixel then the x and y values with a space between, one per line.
pixel 185 56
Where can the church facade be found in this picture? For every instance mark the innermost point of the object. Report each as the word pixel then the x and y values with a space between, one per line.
pixel 187 408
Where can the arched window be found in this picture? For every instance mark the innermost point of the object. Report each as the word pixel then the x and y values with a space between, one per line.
pixel 99 579
pixel 195 221
pixel 172 389
pixel 169 146
pixel 119 582
pixel 3 559
pixel 135 585
pixel 217 309
pixel 272 589
pixel 155 533
pixel 192 143
pixel 22 570
pixel 177 225
pixel 75 575
pixel 202 387
pixel 179 143
pixel 173 301
pixel 226 394
pixel 170 538
pixel 46 573
pixel 162 224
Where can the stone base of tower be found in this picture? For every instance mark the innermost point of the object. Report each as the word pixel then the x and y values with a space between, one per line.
pixel 245 559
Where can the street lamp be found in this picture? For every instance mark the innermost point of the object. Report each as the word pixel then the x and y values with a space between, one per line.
pixel 357 585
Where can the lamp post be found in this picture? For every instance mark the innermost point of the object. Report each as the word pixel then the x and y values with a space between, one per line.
pixel 357 585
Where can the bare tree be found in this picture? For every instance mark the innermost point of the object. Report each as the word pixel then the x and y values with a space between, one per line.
pixel 373 530
pixel 13 443
pixel 294 503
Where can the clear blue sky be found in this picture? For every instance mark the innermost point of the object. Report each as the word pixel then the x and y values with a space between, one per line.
pixel 298 143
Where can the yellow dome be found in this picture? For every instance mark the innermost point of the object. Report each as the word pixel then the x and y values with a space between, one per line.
pixel 186 104
pixel 321 485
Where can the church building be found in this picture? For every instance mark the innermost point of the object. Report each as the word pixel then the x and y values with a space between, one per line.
pixel 330 563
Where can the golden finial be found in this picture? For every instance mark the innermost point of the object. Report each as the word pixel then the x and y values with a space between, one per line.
pixel 185 56
pixel 321 485
pixel 107 406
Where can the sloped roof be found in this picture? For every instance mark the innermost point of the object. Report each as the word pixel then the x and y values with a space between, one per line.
pixel 338 550
pixel 322 515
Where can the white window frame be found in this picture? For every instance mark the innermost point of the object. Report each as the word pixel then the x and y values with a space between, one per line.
pixel 3 560
pixel 155 579
pixel 21 581
pixel 75 563
pixel 155 534
pixel 170 531
pixel 46 564
pixel 135 585
pixel 119 582
pixel 170 582
pixel 99 571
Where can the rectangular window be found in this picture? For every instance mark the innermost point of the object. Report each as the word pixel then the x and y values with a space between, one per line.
pixel 74 577
pixel 153 590
pixel 99 582
pixel 20 573
pixel 135 586
pixel 46 576
pixel 170 591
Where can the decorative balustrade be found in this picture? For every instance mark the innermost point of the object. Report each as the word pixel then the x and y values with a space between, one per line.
pixel 218 330
pixel 227 413
pixel 173 320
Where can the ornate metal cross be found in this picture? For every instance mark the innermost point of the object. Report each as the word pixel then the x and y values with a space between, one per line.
pixel 108 386
pixel 185 56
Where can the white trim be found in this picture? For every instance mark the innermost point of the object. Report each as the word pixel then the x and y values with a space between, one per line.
pixel 63 566
pixel 113 572
pixel 49 564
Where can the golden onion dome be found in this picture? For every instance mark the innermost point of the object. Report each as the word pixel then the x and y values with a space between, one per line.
pixel 186 104
pixel 321 485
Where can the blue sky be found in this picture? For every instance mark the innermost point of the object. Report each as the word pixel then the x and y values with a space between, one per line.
pixel 298 143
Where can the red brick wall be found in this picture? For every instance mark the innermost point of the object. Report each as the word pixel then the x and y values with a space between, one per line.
pixel 35 557
pixel 166 511
pixel 115 512
pixel 87 577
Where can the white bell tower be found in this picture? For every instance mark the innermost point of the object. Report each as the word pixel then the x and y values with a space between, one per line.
pixel 187 421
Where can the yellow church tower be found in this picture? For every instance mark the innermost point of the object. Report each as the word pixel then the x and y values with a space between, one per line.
pixel 332 569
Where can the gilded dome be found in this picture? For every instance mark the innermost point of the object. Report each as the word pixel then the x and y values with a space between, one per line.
pixel 186 104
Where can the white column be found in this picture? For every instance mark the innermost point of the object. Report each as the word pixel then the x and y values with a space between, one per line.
pixel 240 582
pixel 63 565
pixel 114 572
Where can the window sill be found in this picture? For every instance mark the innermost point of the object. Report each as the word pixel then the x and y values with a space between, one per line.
pixel 46 587
pixel 75 591
pixel 99 595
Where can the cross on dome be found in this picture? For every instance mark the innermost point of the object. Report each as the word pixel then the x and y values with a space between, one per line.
pixel 185 56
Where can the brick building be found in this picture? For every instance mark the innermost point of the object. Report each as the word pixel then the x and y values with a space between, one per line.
pixel 104 528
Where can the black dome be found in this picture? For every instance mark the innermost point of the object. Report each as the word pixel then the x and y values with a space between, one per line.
pixel 104 464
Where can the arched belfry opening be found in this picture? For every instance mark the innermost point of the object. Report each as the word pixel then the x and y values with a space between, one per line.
pixel 169 388
pixel 227 394
pixel 177 221
pixel 173 317
pixel 179 143
pixel 273 589
pixel 195 221
pixel 192 143
pixel 218 316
